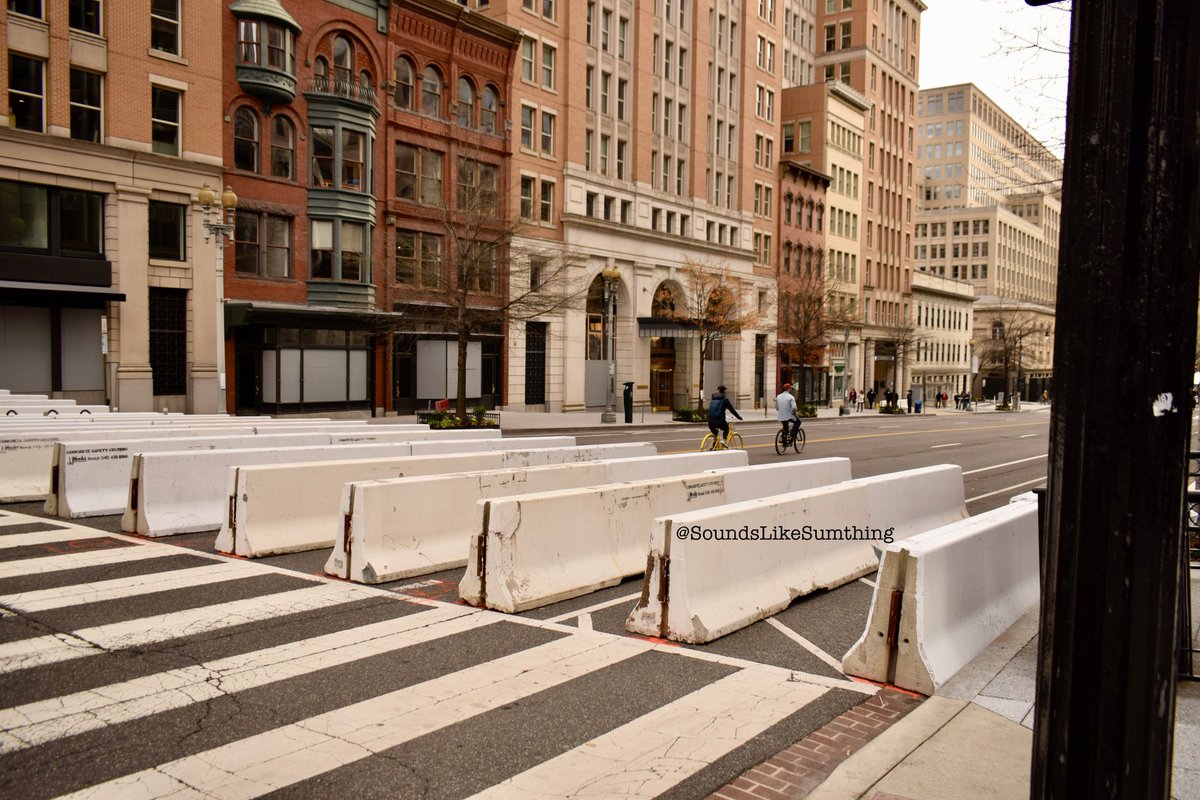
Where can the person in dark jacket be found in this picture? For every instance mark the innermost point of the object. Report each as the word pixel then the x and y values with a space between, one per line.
pixel 718 404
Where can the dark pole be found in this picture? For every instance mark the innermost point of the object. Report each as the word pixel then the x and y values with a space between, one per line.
pixel 1119 431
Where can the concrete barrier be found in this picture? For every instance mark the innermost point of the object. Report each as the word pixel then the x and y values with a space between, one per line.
pixel 96 467
pixel 380 544
pixel 159 504
pixel 715 571
pixel 541 548
pixel 947 594
pixel 49 409
pixel 291 507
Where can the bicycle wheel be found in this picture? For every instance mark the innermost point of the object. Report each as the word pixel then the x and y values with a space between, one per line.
pixel 780 442
pixel 798 441
pixel 708 442
pixel 735 441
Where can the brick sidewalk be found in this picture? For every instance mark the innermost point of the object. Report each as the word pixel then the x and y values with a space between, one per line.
pixel 792 773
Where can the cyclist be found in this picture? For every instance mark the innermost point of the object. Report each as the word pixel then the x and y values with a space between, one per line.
pixel 718 404
pixel 785 412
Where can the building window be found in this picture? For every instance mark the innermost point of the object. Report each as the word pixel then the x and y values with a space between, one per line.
pixel 353 251
pixel 548 58
pixel 164 26
pixel 431 92
pixel 403 93
pixel 55 222
pixel 168 340
pixel 423 186
pixel 341 257
pixel 322 157
pixel 547 134
pixel 164 120
pixel 283 148
pixel 527 187
pixel 85 105
pixel 478 185
pixel 418 259
pixel 167 228
pixel 353 160
pixel 548 9
pixel 528 46
pixel 488 105
pixel 465 105
pixel 29 8
pixel 622 35
pixel 84 15
pixel 280 43
pixel 245 140
pixel 620 160
pixel 546 210
pixel 263 245
pixel 343 64
pixel 26 92
pixel 527 115
pixel 320 261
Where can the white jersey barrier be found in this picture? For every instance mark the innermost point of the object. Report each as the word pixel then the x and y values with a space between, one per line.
pixel 716 571
pixel 159 503
pixel 538 549
pixel 287 508
pixel 51 408
pixel 91 478
pixel 27 455
pixel 958 587
pixel 382 543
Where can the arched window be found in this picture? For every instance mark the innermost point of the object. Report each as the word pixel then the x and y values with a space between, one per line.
pixel 466 103
pixel 810 216
pixel 404 83
pixel 343 63
pixel 245 140
pixel 321 73
pixel 488 103
pixel 366 86
pixel 431 92
pixel 787 256
pixel 787 208
pixel 820 217
pixel 283 148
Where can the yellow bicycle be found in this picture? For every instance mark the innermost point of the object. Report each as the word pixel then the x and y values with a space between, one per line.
pixel 713 442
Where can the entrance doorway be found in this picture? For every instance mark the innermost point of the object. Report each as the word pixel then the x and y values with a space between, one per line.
pixel 662 372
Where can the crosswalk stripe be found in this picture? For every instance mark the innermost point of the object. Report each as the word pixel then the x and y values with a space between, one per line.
pixel 658 750
pixel 44 721
pixel 260 764
pixel 49 537
pixel 35 566
pixel 43 650
pixel 133 586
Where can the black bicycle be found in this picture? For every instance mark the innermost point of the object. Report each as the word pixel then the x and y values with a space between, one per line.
pixel 792 437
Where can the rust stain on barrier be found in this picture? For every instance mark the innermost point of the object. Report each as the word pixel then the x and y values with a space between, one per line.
pixel 893 628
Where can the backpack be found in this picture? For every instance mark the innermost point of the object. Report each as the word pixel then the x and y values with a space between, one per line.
pixel 716 408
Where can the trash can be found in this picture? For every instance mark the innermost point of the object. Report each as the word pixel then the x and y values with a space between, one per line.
pixel 628 397
pixel 919 405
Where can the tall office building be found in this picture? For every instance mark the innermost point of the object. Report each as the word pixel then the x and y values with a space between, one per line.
pixel 874 46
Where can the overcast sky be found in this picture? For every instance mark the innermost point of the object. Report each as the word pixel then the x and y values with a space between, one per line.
pixel 987 42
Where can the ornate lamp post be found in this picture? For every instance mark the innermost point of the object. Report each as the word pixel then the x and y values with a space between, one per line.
pixel 222 227
pixel 611 276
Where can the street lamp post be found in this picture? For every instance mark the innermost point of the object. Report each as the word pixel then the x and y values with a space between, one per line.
pixel 611 276
pixel 971 374
pixel 845 364
pixel 222 228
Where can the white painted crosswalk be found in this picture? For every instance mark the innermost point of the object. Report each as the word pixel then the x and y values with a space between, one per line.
pixel 333 682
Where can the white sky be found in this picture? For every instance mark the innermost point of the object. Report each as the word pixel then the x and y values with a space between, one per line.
pixel 986 42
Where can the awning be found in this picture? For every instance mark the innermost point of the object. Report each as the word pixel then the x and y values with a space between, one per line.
pixel 60 293
pixel 241 312
pixel 657 327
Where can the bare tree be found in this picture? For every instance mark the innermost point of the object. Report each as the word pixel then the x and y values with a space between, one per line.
pixel 488 274
pixel 1004 348
pixel 718 304
pixel 902 339
pixel 811 306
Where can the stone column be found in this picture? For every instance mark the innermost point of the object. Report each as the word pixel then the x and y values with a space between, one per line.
pixel 205 393
pixel 134 390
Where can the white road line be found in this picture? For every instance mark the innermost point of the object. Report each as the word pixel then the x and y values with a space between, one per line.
pixel 94 558
pixel 885 427
pixel 1006 489
pixel 1027 435
pixel 48 537
pixel 951 444
pixel 805 643
pixel 42 650
pixel 867 582
pixel 596 607
pixel 585 622
pixel 654 752
pixel 44 721
pixel 133 586
pixel 1005 464
pixel 272 760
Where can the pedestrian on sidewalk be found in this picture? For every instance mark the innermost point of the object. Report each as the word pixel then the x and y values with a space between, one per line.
pixel 853 397
pixel 871 398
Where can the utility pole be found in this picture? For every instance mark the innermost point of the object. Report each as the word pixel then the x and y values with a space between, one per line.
pixel 1129 251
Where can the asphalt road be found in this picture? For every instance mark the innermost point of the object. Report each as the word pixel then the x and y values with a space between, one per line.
pixel 118 672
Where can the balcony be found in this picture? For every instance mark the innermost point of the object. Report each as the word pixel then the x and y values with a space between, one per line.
pixel 348 91
pixel 273 87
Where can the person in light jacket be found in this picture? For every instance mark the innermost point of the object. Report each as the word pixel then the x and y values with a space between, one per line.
pixel 785 411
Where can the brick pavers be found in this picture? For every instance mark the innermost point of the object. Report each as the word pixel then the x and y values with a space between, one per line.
pixel 793 773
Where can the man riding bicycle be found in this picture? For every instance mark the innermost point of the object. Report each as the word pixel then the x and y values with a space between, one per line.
pixel 718 404
pixel 785 412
